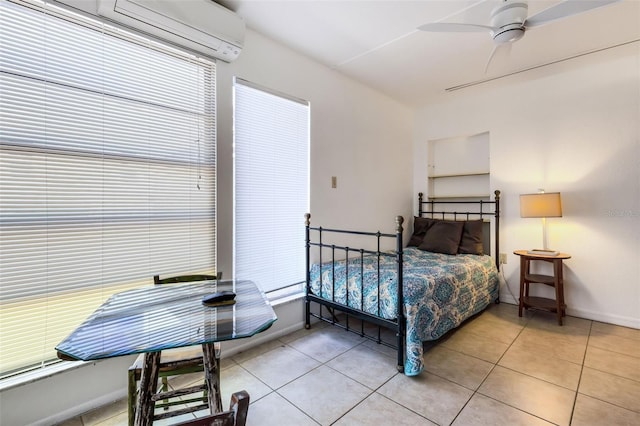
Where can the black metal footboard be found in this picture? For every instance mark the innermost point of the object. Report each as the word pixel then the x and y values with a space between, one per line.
pixel 396 324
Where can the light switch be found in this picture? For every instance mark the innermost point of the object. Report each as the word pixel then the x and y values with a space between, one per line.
pixel 334 182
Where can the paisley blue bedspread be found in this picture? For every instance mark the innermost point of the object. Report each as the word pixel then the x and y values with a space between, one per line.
pixel 440 292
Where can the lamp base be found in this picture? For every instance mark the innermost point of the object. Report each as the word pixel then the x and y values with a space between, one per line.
pixel 543 252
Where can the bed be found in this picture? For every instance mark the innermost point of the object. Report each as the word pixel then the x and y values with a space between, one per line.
pixel 446 276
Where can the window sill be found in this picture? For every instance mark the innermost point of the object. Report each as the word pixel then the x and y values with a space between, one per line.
pixel 21 379
pixel 287 294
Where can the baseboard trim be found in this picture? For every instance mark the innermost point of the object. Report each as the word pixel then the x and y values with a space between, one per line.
pixel 508 296
pixel 604 317
pixel 82 408
pixel 245 344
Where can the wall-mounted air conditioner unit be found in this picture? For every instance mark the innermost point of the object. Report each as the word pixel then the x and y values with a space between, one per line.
pixel 199 25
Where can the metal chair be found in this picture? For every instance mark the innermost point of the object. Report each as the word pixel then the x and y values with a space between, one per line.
pixel 174 362
pixel 235 416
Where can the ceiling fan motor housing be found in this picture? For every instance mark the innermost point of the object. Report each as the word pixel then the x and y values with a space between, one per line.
pixel 509 19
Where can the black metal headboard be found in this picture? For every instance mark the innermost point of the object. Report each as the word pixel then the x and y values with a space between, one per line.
pixel 477 209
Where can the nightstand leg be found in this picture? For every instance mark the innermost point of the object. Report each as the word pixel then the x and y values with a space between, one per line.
pixel 523 270
pixel 557 273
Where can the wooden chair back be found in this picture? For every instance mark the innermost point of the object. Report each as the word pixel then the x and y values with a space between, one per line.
pixel 235 416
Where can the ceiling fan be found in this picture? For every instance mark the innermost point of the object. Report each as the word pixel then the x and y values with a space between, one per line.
pixel 508 21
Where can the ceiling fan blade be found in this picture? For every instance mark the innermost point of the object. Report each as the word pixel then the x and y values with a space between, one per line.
pixel 454 27
pixel 563 10
pixel 502 50
pixel 493 52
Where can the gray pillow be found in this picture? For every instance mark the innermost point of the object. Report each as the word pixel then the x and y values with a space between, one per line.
pixel 443 236
pixel 420 226
pixel 471 242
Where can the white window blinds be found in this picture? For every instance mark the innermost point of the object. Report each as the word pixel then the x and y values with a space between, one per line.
pixel 271 186
pixel 107 172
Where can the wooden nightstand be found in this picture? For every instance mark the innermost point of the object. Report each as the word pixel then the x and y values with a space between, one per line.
pixel 526 277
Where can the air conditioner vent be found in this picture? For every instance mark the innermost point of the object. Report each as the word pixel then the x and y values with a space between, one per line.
pixel 200 25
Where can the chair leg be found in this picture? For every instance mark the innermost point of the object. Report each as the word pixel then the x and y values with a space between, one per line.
pixel 148 387
pixel 165 388
pixel 212 376
pixel 131 396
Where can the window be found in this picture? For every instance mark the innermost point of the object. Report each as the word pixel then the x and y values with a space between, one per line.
pixel 107 172
pixel 271 186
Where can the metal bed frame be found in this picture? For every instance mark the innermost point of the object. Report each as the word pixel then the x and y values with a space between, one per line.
pixel 432 208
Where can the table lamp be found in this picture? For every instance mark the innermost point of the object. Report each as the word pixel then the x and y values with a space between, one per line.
pixel 542 205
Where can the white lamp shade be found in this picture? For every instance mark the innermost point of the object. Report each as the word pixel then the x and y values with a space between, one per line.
pixel 546 204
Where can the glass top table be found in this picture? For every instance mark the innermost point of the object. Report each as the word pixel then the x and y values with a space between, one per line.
pixel 167 316
pixel 151 319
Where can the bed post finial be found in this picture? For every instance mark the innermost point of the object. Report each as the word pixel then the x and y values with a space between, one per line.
pixel 497 229
pixel 307 260
pixel 399 222
pixel 401 336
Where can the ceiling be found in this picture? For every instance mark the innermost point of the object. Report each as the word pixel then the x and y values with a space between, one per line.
pixel 377 43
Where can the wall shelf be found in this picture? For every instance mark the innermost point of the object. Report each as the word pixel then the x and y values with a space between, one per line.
pixel 459 168
pixel 444 176
pixel 455 197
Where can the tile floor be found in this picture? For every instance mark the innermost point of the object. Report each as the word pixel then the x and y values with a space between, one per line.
pixel 497 369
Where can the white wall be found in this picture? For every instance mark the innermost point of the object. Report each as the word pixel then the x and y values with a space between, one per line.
pixel 572 127
pixel 357 134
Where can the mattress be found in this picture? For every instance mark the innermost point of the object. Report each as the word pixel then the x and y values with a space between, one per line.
pixel 440 291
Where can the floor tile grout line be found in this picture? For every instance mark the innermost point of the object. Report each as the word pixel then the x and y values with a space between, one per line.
pixel 316 359
pixel 606 372
pixel 476 357
pixel 260 380
pixel 608 349
pixel 534 377
pixel 353 408
pixel 496 364
pixel 315 368
pixel 321 363
pixel 609 403
pixel 540 379
pixel 394 402
pixel 326 364
pixel 372 391
pixel 485 378
pixel 584 358
pixel 590 367
pixel 296 407
pixel 463 406
pixel 356 380
pixel 276 390
pixel 516 408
